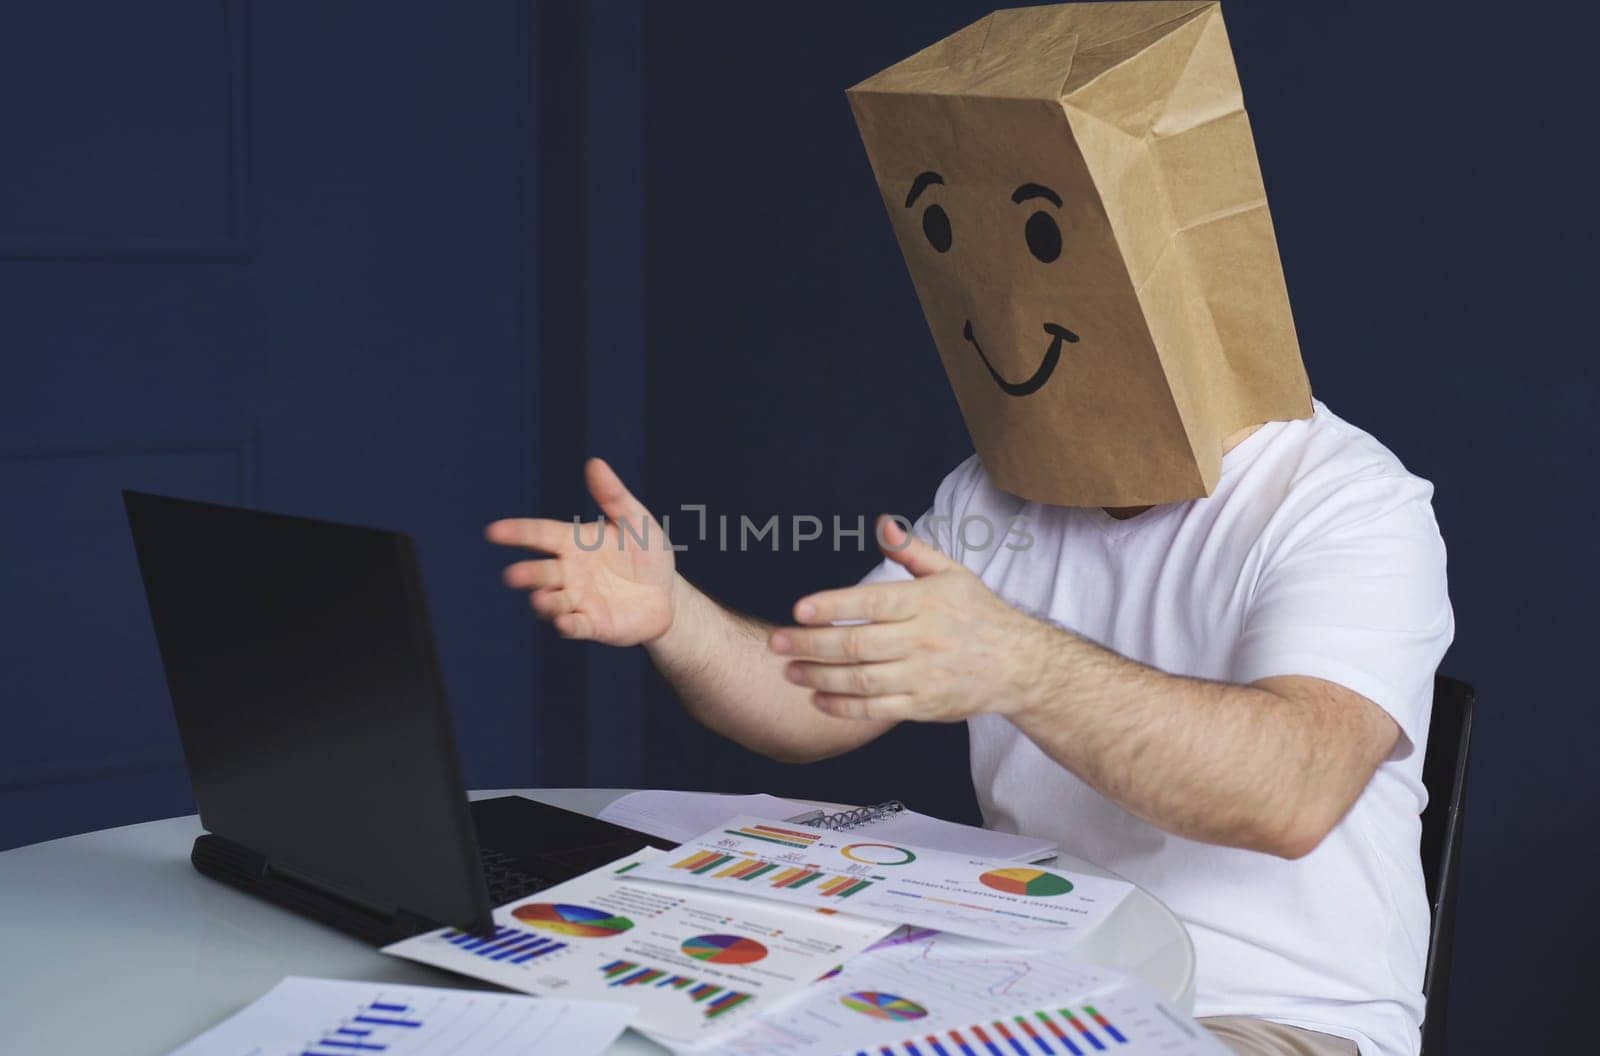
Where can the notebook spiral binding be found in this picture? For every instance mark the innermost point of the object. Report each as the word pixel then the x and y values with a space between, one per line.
pixel 850 819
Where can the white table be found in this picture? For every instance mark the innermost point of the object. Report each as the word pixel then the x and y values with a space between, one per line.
pixel 110 942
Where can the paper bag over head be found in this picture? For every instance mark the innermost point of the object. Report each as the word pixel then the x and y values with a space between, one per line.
pixel 1076 193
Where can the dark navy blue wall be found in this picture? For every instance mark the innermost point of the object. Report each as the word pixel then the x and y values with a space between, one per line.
pixel 408 263
pixel 275 254
pixel 790 369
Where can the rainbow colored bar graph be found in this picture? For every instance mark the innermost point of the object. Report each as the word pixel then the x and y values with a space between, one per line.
pixel 732 867
pixel 1061 1033
pixel 773 834
pixel 718 999
pixel 512 945
pixel 702 862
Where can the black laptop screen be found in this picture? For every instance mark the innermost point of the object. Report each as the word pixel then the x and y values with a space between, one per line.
pixel 303 675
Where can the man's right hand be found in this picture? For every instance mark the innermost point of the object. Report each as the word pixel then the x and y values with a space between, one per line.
pixel 599 582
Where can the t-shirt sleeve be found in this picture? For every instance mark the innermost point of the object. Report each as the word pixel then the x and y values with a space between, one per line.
pixel 1354 592
pixel 936 525
pixel 885 571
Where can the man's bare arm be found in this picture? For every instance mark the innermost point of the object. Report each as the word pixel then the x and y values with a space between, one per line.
pixel 1270 767
pixel 598 582
pixel 718 663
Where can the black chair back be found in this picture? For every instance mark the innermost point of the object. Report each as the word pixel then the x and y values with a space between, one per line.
pixel 1444 774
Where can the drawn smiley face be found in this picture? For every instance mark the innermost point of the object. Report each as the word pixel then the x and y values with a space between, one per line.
pixel 1041 235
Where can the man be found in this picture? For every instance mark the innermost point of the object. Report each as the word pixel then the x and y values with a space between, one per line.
pixel 1206 660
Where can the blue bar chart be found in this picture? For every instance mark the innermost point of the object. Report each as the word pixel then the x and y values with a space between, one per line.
pixel 337 1017
pixel 511 945
pixel 373 1028
pixel 1060 1032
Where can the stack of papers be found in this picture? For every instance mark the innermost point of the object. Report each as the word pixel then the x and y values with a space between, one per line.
pixel 333 1017
pixel 763 936
pixel 691 962
pixel 680 816
pixel 844 872
pixel 922 993
pixel 756 937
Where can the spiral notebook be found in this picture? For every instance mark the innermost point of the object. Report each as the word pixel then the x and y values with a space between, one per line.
pixel 681 816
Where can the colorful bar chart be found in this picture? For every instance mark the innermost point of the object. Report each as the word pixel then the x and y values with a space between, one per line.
pixel 717 999
pixel 745 870
pixel 844 886
pixel 702 862
pixel 725 1003
pixel 512 945
pixel 731 867
pixel 1116 1035
pixel 795 876
pixel 1064 1032
pixel 773 834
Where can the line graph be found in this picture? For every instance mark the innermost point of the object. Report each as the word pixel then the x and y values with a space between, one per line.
pixel 946 961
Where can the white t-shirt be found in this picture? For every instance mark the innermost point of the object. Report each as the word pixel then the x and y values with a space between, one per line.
pixel 1317 554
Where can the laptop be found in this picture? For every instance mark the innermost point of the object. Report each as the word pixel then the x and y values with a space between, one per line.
pixel 300 660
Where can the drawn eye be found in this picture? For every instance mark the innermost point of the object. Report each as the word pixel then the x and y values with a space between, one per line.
pixel 1044 237
pixel 936 226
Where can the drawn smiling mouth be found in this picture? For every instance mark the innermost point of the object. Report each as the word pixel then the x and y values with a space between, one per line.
pixel 1047 366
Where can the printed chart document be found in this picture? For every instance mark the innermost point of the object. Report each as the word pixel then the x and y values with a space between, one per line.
pixel 856 873
pixel 335 1017
pixel 924 993
pixel 691 962
pixel 681 816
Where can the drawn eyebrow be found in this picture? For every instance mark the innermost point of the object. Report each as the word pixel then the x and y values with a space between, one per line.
pixel 920 184
pixel 1034 190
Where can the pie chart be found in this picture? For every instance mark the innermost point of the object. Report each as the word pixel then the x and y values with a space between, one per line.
pixel 1031 882
pixel 878 854
pixel 724 949
pixel 564 919
pixel 882 1006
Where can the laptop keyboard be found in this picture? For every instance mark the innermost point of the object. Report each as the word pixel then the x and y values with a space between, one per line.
pixel 505 879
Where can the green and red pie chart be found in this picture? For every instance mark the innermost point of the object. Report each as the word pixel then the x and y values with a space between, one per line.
pixel 724 949
pixel 1034 883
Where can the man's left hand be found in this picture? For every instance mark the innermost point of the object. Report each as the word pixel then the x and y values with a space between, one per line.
pixel 939 648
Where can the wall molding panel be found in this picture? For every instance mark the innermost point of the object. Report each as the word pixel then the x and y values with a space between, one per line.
pixel 131 168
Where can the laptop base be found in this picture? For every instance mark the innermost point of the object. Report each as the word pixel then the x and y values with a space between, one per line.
pixel 526 847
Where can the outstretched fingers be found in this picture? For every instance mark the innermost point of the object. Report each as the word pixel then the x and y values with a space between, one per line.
pixel 856 680
pixel 533 533
pixel 533 575
pixel 872 641
pixel 574 625
pixel 878 602
pixel 895 707
pixel 613 497
pixel 550 603
pixel 915 555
